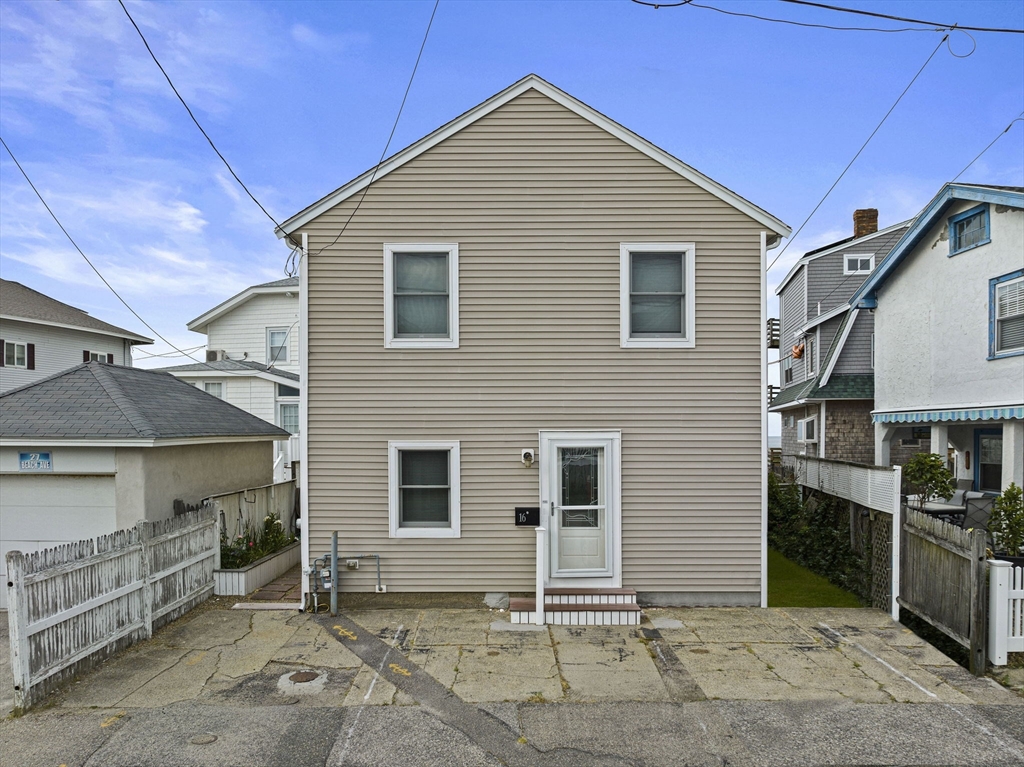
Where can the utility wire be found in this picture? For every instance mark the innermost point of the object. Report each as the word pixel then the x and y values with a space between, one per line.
pixel 169 354
pixel 859 151
pixel 97 271
pixel 190 114
pixel 934 24
pixel 1019 118
pixel 383 154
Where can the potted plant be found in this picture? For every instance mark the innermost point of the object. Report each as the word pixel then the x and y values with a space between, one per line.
pixel 1006 525
pixel 927 474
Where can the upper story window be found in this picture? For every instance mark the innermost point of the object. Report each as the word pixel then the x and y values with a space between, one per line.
pixel 216 388
pixel 969 229
pixel 1006 315
pixel 810 354
pixel 277 345
pixel 421 295
pixel 858 264
pixel 89 356
pixel 787 369
pixel 283 390
pixel 19 355
pixel 424 488
pixel 656 294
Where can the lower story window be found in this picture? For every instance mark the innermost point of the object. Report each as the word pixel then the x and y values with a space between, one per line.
pixel 423 483
pixel 288 416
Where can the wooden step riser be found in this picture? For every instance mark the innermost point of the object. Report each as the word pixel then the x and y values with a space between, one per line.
pixel 580 617
pixel 590 599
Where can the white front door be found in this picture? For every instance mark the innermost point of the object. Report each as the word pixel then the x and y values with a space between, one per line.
pixel 580 506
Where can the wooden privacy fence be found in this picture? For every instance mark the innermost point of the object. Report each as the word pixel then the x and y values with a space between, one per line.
pixel 1005 611
pixel 72 606
pixel 248 508
pixel 942 580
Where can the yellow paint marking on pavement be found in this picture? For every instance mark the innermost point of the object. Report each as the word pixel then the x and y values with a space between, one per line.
pixel 110 720
pixel 344 632
pixel 399 670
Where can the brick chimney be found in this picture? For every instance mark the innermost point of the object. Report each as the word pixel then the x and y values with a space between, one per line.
pixel 865 221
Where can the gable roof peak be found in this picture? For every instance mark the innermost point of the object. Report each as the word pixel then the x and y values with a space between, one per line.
pixel 535 82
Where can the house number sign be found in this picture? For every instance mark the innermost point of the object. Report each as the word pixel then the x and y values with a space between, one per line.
pixel 527 516
pixel 35 462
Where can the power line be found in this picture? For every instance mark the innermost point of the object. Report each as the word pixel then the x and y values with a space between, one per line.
pixel 859 151
pixel 383 154
pixel 169 354
pixel 1019 118
pixel 934 24
pixel 190 114
pixel 97 271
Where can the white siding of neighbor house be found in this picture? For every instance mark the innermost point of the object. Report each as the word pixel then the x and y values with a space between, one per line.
pixel 539 200
pixel 243 330
pixel 57 349
pixel 250 393
pixel 932 321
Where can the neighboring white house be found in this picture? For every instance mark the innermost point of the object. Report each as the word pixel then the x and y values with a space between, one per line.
pixel 41 336
pixel 97 447
pixel 252 358
pixel 949 332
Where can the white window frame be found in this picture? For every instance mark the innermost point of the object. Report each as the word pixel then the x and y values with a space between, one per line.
pixel 859 257
pixel 995 351
pixel 687 341
pixel 204 384
pixel 287 343
pixel 24 354
pixel 452 341
pixel 454 484
pixel 811 354
pixel 801 430
pixel 98 356
pixel 280 418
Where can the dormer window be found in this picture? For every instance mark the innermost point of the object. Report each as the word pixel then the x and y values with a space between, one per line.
pixel 969 230
pixel 859 264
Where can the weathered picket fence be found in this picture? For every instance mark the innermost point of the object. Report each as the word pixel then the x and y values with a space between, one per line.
pixel 72 606
pixel 249 507
pixel 1006 611
pixel 942 580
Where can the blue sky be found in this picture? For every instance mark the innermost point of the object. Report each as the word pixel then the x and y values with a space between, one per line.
pixel 301 97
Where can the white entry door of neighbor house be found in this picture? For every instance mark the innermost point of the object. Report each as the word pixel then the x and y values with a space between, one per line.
pixel 580 506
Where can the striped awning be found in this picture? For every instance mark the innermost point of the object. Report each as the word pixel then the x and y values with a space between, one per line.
pixel 938 416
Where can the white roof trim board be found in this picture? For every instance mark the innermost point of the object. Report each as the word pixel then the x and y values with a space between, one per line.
pixel 555 94
pixel 199 323
pixel 834 312
pixel 827 373
pixel 805 259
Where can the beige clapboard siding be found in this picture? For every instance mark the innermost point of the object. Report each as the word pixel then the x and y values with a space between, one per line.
pixel 538 200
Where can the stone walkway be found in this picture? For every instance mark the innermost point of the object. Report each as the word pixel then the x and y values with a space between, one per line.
pixel 286 588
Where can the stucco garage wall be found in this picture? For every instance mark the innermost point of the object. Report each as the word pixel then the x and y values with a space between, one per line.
pixel 193 472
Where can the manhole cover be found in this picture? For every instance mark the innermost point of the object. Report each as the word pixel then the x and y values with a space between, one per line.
pixel 291 700
pixel 303 676
pixel 203 740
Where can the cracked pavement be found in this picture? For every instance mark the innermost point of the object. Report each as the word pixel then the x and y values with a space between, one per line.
pixel 431 686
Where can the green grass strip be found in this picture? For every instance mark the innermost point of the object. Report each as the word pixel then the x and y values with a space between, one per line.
pixel 790 585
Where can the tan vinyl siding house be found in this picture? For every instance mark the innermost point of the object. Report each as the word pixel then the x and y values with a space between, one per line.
pixel 538 198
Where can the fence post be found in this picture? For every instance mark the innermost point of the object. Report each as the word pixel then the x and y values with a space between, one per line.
pixel 998 611
pixel 145 534
pixel 897 538
pixel 218 536
pixel 17 621
pixel 979 624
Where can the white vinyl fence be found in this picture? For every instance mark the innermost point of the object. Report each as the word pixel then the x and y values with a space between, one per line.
pixel 72 606
pixel 873 487
pixel 1005 611
pixel 248 508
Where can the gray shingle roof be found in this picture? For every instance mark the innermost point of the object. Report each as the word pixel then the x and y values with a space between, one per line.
pixel 98 401
pixel 287 282
pixel 231 366
pixel 20 302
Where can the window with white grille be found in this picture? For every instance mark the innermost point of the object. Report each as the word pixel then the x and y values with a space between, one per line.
pixel 1007 315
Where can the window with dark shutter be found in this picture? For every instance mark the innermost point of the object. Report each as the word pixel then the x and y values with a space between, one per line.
pixel 30 356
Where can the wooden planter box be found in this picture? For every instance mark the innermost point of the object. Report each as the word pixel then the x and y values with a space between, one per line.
pixel 261 572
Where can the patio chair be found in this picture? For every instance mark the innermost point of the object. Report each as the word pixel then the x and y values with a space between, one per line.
pixel 979 507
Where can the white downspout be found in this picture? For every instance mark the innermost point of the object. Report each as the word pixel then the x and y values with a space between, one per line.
pixel 303 266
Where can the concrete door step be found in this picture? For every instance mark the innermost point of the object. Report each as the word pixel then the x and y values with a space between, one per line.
pixel 579 614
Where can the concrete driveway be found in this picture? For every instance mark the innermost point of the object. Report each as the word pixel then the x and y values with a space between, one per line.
pixel 435 686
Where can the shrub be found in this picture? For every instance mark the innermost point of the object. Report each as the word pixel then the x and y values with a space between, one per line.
pixel 253 543
pixel 1006 522
pixel 927 474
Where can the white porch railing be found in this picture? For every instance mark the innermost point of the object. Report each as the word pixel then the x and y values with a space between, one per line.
pixel 542 548
pixel 872 486
pixel 1005 610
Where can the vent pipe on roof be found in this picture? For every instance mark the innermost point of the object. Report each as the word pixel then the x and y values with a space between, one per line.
pixel 865 221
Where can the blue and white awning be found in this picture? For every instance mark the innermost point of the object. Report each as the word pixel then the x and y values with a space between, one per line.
pixel 937 416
